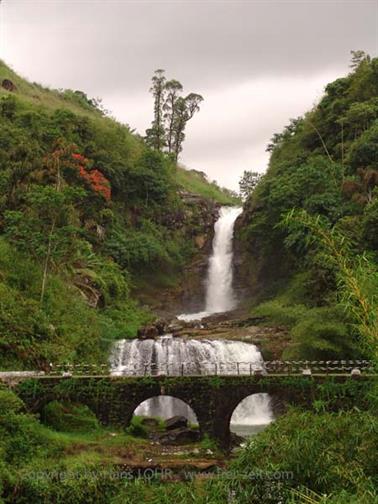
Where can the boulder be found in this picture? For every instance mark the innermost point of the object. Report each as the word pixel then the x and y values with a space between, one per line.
pixel 148 332
pixel 8 85
pixel 236 440
pixel 176 422
pixel 150 422
pixel 161 326
pixel 151 331
pixel 179 436
pixel 200 241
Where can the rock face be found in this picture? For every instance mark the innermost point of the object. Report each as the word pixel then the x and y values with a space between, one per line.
pixel 256 269
pixel 199 219
pixel 195 219
pixel 148 332
pixel 176 422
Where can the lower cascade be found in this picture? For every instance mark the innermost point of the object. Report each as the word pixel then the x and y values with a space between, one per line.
pixel 178 356
pixel 175 356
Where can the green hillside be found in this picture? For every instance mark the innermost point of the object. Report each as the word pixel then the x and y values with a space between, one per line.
pixel 311 225
pixel 86 209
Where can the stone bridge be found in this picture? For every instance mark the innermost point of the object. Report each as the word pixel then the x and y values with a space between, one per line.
pixel 212 398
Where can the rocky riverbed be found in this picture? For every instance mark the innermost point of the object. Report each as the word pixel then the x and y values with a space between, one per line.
pixel 270 340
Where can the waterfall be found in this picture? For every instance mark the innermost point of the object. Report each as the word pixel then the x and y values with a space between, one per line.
pixel 219 292
pixel 252 414
pixel 166 407
pixel 175 356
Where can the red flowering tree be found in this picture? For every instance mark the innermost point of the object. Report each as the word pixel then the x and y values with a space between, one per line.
pixel 94 178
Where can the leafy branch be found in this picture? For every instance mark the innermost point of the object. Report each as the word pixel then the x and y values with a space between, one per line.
pixel 356 275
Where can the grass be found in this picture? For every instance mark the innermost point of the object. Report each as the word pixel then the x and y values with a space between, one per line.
pixel 39 95
pixel 196 182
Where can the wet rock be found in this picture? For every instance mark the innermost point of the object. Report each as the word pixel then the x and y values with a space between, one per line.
pixel 148 332
pixel 200 241
pixel 236 440
pixel 176 422
pixel 150 422
pixel 176 327
pixel 161 326
pixel 179 436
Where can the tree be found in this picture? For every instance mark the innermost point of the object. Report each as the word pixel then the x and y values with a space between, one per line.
pixel 46 228
pixel 173 88
pixel 185 110
pixel 155 136
pixel 171 113
pixel 357 58
pixel 192 102
pixel 248 183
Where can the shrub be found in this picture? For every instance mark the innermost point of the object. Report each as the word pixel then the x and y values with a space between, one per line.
pixel 136 427
pixel 279 313
pixel 9 402
pixel 68 417
pixel 321 334
pixel 327 453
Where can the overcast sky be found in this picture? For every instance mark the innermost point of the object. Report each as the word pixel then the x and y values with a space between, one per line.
pixel 256 63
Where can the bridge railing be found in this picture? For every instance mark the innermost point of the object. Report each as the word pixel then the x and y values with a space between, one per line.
pixel 206 368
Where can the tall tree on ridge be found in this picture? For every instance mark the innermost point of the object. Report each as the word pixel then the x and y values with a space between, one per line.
pixel 185 110
pixel 357 58
pixel 193 101
pixel 173 88
pixel 171 113
pixel 155 136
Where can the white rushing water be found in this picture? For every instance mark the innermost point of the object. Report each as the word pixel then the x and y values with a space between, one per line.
pixel 252 414
pixel 178 356
pixel 219 292
pixel 165 406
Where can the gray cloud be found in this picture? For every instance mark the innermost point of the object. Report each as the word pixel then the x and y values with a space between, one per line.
pixel 238 54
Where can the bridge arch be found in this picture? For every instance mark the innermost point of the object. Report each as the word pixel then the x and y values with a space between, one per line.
pixel 166 406
pixel 221 428
pixel 252 414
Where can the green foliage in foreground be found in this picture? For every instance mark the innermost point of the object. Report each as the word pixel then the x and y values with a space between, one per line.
pixel 69 417
pixel 326 457
pixel 326 453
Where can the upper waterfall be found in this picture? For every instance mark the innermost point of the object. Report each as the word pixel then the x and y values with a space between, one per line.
pixel 219 292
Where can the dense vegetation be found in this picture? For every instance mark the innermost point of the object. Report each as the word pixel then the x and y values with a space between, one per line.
pixel 83 215
pixel 86 210
pixel 311 223
pixel 319 458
